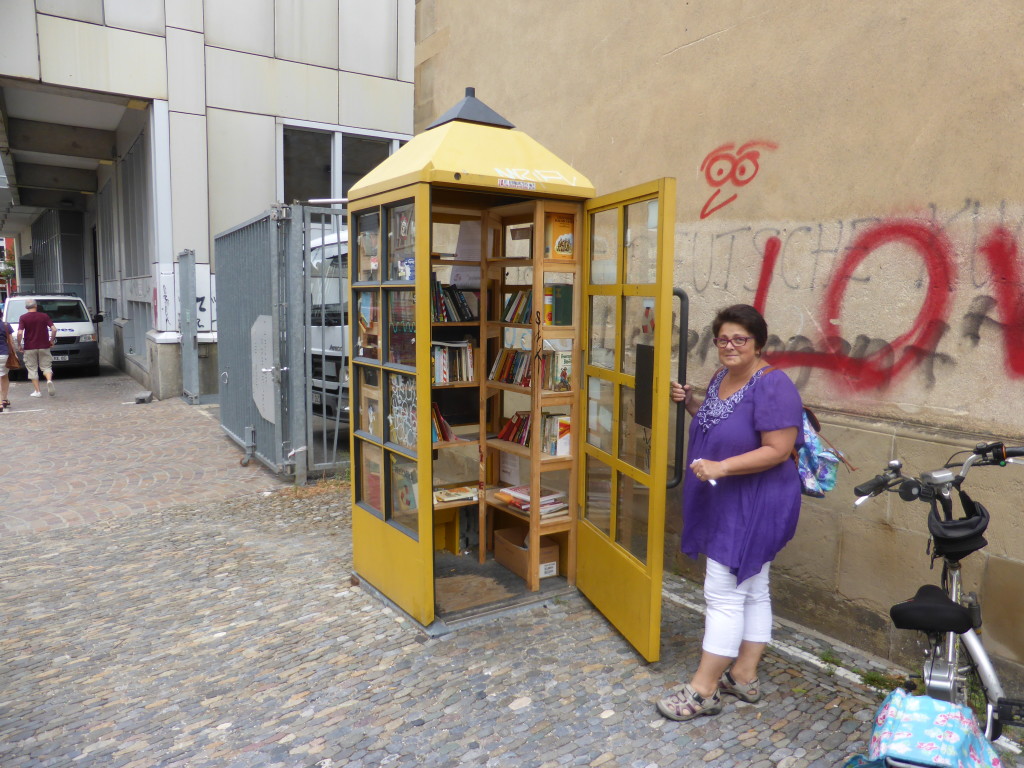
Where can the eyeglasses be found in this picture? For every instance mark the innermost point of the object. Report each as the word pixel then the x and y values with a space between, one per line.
pixel 737 341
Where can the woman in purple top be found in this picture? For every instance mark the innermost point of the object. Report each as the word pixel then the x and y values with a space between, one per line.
pixel 741 500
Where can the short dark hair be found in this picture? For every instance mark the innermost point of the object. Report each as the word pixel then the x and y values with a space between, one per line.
pixel 748 317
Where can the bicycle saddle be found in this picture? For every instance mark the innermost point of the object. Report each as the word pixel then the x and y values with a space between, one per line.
pixel 931 611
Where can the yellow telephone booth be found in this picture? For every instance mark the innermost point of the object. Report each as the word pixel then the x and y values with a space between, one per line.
pixel 509 377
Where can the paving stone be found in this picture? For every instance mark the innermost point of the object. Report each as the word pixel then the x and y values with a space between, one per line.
pixel 164 606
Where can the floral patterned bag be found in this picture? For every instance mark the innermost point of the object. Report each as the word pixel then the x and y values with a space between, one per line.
pixel 816 463
pixel 922 731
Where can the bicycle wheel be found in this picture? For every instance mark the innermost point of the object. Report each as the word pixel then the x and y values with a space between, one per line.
pixel 975 693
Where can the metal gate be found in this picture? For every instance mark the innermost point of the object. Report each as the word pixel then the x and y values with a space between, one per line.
pixel 282 338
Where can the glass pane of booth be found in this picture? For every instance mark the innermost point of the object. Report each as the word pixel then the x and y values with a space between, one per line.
pixel 604 247
pixel 642 242
pixel 603 325
pixel 401 326
pixel 401 413
pixel 637 329
pixel 368 324
pixel 600 397
pixel 631 519
pixel 598 507
pixel 404 496
pixel 368 247
pixel 634 439
pixel 401 242
pixel 369 408
pixel 368 486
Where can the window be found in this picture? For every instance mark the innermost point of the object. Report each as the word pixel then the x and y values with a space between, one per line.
pixel 139 314
pixel 322 162
pixel 106 236
pixel 359 156
pixel 307 164
pixel 135 207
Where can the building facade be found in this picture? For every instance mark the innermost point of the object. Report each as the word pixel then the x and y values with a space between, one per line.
pixel 847 167
pixel 132 130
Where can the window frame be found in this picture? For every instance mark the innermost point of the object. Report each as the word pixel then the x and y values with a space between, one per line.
pixel 338 131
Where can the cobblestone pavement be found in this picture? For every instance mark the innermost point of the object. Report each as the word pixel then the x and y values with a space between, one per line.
pixel 227 633
pixel 89 453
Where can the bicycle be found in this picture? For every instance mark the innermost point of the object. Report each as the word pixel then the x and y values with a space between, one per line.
pixel 956 662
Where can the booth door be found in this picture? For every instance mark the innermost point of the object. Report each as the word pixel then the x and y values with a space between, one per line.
pixel 623 442
pixel 392 524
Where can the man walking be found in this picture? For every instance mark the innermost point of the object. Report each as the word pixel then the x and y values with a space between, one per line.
pixel 36 334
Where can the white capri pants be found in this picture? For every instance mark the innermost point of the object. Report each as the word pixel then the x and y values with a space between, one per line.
pixel 735 612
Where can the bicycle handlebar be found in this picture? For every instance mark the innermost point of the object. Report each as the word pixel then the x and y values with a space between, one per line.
pixel 873 486
pixel 927 483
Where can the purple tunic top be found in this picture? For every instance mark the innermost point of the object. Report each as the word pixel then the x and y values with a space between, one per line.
pixel 745 520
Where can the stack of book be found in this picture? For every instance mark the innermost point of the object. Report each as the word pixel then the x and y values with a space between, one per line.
pixel 517 429
pixel 551 503
pixel 451 304
pixel 557 435
pixel 453 361
pixel 448 495
pixel 558 304
pixel 440 430
pixel 517 306
pixel 512 366
pixel 556 369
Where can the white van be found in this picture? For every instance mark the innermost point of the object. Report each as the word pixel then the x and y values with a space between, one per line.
pixel 76 345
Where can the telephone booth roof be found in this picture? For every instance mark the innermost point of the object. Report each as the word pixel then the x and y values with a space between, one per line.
pixel 472 146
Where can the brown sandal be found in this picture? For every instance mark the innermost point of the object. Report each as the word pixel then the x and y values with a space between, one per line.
pixel 687 704
pixel 748 692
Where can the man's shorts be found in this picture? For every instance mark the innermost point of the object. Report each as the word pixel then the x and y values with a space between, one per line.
pixel 36 360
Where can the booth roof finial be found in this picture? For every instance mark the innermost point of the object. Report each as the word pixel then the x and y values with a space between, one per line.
pixel 472 110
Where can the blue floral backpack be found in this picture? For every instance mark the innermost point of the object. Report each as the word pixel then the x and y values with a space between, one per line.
pixel 817 459
pixel 922 731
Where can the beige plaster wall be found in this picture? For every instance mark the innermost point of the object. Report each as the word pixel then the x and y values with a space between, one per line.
pixel 871 148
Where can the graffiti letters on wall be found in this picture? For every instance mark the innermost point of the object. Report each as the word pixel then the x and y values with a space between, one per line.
pixel 870 303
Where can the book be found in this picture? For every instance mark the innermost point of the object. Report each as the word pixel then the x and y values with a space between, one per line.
pixel 563 436
pixel 549 305
pixel 506 432
pixel 523 493
pixel 559 243
pixel 561 303
pixel 452 361
pixel 462 493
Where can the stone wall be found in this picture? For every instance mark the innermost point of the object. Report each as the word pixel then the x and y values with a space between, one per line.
pixel 848 167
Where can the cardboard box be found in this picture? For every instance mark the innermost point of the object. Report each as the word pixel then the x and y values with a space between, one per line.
pixel 510 552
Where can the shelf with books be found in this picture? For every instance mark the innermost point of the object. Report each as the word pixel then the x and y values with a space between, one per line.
pixel 450 497
pixel 453 363
pixel 558 515
pixel 529 346
pixel 453 303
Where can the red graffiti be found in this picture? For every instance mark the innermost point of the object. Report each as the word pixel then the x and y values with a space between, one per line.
pixel 722 165
pixel 884 365
pixel 1000 250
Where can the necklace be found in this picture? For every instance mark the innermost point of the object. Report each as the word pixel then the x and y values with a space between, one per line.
pixel 715 410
